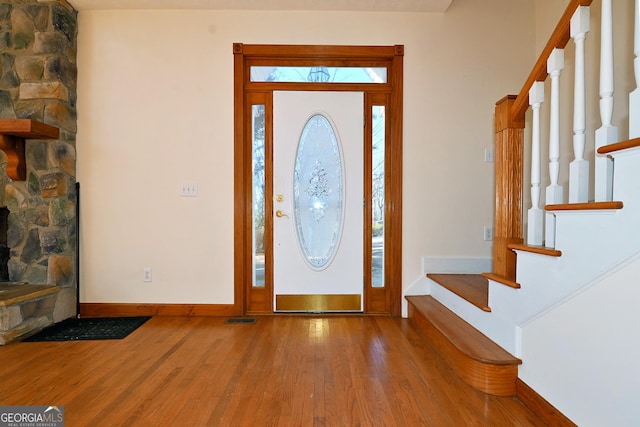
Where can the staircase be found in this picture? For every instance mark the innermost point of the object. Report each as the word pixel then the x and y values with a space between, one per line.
pixel 552 322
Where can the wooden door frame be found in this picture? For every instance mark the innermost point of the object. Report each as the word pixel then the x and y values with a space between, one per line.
pixel 249 299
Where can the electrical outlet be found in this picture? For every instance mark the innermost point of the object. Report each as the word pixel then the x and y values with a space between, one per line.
pixel 489 155
pixel 146 274
pixel 189 189
pixel 488 233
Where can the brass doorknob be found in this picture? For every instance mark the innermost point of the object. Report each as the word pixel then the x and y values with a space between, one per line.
pixel 281 214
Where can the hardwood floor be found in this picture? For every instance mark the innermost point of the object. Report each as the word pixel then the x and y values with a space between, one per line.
pixel 280 371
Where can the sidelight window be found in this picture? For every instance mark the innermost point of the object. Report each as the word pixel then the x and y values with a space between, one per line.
pixel 377 195
pixel 258 195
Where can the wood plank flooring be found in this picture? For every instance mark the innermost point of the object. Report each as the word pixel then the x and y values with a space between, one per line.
pixel 280 371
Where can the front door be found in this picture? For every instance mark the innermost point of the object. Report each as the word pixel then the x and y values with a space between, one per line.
pixel 318 140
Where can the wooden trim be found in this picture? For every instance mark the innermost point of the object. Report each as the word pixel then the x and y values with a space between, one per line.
pixel 619 146
pixel 239 185
pixel 591 206
pixel 389 56
pixel 503 118
pixel 542 250
pixel 509 160
pixel 368 208
pixel 539 406
pixel 284 52
pixel 133 309
pixel 393 243
pixel 501 280
pixel 14 148
pixel 318 87
pixel 13 133
pixel 559 39
pixel 28 129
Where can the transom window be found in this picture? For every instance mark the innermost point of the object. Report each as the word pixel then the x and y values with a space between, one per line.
pixel 318 74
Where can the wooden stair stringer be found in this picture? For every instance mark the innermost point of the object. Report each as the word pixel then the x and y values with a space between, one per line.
pixel 479 361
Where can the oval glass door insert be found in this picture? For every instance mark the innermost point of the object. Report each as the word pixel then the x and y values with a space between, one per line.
pixel 318 192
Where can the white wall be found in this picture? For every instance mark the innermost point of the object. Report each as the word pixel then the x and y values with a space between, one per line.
pixel 583 356
pixel 155 108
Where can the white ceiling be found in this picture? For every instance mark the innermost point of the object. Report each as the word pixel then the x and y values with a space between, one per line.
pixel 347 5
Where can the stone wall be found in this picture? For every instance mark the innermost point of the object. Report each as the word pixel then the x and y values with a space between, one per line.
pixel 38 77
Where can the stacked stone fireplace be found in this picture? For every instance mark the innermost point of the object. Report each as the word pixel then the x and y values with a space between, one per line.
pixel 38 82
pixel 4 249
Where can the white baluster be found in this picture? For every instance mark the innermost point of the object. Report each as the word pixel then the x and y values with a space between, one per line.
pixel 634 97
pixel 554 193
pixel 579 168
pixel 535 223
pixel 607 133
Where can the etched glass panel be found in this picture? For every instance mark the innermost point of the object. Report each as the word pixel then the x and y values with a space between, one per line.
pixel 318 191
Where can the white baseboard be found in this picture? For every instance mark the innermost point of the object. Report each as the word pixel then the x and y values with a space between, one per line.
pixel 456 265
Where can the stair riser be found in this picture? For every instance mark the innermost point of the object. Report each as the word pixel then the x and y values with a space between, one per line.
pixel 625 176
pixel 492 325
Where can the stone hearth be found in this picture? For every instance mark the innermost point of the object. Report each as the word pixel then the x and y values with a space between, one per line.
pixel 25 309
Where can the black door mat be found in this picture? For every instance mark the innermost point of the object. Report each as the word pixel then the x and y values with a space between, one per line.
pixel 102 328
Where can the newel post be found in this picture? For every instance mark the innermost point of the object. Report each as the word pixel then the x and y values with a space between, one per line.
pixel 509 157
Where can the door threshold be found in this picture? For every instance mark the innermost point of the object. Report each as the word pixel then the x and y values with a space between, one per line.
pixel 319 303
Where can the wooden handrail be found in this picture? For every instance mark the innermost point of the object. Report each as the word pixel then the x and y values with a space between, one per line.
pixel 559 39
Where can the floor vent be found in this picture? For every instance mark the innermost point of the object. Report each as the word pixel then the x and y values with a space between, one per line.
pixel 241 320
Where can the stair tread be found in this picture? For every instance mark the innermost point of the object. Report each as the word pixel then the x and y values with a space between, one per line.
pixel 535 249
pixel 622 145
pixel 461 334
pixel 502 280
pixel 473 288
pixel 585 206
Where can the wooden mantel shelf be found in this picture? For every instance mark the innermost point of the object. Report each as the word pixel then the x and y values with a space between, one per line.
pixel 13 133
